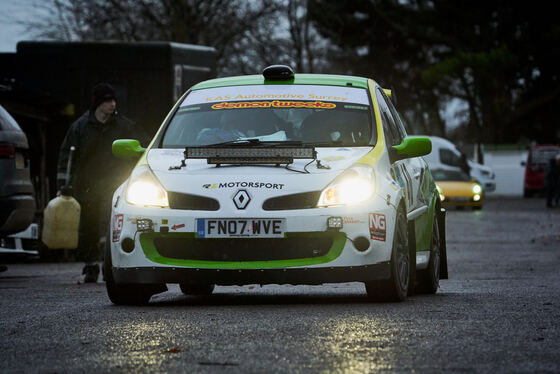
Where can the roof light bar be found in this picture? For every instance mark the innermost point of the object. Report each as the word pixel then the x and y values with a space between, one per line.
pixel 250 155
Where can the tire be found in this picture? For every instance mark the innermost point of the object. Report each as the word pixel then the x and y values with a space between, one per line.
pixel 396 287
pixel 127 294
pixel 428 279
pixel 196 289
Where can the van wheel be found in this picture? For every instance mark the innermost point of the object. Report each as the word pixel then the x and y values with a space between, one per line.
pixel 428 279
pixel 396 287
pixel 196 289
pixel 127 294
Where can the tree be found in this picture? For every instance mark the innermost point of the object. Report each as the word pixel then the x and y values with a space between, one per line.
pixel 246 35
pixel 497 57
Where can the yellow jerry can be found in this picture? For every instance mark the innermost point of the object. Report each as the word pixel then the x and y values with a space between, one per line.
pixel 61 221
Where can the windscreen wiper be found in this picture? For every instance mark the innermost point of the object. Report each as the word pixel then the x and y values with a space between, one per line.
pixel 254 142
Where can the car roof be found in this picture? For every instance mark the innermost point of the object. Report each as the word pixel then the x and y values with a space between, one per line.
pixel 315 79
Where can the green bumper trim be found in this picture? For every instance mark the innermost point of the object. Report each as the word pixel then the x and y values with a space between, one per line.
pixel 149 249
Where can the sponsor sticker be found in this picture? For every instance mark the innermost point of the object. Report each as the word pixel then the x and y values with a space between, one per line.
pixel 377 226
pixel 270 186
pixel 117 227
pixel 351 220
pixel 274 104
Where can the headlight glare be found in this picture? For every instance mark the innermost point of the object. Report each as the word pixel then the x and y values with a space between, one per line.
pixel 476 189
pixel 354 186
pixel 144 189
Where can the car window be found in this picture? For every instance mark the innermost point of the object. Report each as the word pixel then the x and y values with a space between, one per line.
pixel 450 158
pixel 7 122
pixel 450 175
pixel 330 115
pixel 396 116
pixel 393 136
pixel 540 157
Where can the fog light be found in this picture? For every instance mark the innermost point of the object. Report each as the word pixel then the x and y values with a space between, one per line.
pixel 144 225
pixel 127 245
pixel 334 223
pixel 361 243
pixel 476 197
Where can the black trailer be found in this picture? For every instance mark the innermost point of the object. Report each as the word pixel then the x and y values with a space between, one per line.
pixel 47 85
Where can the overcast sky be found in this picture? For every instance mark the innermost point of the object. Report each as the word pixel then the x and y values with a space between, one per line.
pixel 11 31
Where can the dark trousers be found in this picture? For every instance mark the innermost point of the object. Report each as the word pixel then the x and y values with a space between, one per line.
pixel 95 218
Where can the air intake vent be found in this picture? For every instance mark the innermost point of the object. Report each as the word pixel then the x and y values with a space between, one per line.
pixel 191 202
pixel 306 200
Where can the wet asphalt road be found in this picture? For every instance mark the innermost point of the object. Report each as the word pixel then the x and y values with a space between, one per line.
pixel 498 312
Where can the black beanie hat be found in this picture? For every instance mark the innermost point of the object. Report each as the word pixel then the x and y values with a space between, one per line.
pixel 102 92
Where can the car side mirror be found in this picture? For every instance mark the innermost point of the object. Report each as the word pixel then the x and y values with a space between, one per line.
pixel 411 147
pixel 128 149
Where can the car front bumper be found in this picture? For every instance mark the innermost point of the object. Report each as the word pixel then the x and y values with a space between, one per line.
pixel 309 252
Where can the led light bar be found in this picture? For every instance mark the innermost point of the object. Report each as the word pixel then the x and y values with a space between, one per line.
pixel 251 155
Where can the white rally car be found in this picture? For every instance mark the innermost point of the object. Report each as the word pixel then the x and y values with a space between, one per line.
pixel 277 178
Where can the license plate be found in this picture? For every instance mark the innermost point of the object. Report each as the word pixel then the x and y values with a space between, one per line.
pixel 240 227
pixel 461 199
pixel 20 161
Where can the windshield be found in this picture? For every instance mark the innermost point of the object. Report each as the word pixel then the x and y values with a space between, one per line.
pixel 542 156
pixel 450 175
pixel 321 115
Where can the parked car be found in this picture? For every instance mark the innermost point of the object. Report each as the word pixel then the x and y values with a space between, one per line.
pixel 457 188
pixel 538 158
pixel 17 203
pixel 445 155
pixel 277 178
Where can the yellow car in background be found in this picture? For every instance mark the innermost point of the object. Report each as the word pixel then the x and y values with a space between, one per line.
pixel 458 189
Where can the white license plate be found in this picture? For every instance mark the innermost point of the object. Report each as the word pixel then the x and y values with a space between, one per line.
pixel 460 199
pixel 240 227
pixel 20 161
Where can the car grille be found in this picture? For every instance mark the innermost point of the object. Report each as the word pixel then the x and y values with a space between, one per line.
pixel 306 200
pixel 265 249
pixel 191 202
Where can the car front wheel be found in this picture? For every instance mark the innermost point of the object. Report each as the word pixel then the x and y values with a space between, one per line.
pixel 127 294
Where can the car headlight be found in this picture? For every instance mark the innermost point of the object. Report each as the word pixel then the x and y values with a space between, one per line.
pixel 144 189
pixel 353 186
pixel 477 189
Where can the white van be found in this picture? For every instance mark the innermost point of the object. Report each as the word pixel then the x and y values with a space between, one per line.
pixel 445 155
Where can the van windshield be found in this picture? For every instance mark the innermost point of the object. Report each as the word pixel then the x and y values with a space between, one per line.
pixel 320 115
pixel 541 156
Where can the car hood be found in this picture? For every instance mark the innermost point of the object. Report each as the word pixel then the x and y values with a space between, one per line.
pixel 197 177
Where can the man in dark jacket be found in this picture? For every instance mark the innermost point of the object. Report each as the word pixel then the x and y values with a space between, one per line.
pixel 96 173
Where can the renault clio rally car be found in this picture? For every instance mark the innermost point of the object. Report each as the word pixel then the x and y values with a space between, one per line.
pixel 278 178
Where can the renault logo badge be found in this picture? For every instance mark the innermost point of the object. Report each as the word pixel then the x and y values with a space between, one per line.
pixel 241 199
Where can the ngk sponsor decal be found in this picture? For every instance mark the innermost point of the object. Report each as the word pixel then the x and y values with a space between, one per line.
pixel 377 226
pixel 270 186
pixel 117 227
